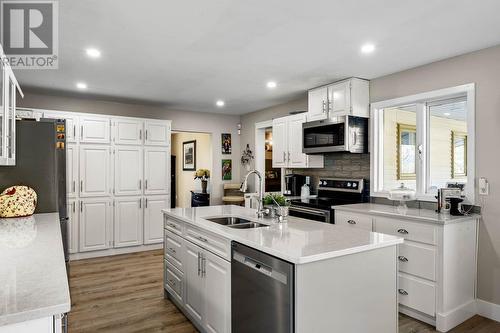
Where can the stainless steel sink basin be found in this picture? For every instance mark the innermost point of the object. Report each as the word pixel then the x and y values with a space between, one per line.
pixel 236 222
pixel 247 225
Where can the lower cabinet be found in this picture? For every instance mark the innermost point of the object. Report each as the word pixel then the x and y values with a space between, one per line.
pixel 153 218
pixel 128 221
pixel 95 219
pixel 72 210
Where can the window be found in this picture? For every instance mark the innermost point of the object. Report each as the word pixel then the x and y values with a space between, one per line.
pixel 424 141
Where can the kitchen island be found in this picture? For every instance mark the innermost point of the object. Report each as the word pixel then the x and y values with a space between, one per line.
pixel 34 291
pixel 343 279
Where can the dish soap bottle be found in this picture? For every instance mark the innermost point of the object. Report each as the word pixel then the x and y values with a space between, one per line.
pixel 305 191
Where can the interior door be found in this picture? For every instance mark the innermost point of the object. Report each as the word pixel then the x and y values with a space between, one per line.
pixel 317 101
pixel 94 129
pixel 153 218
pixel 156 170
pixel 280 143
pixel 217 293
pixel 128 221
pixel 195 288
pixel 157 133
pixel 339 98
pixel 71 170
pixel 95 222
pixel 128 170
pixel 128 131
pixel 297 158
pixel 72 208
pixel 94 170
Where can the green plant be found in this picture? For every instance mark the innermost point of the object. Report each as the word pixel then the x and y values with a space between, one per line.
pixel 280 199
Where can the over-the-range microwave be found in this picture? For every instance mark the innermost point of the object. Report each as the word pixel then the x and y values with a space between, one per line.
pixel 342 134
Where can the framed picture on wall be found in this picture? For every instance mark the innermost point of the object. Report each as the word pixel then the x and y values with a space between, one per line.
pixel 227 168
pixel 226 143
pixel 189 155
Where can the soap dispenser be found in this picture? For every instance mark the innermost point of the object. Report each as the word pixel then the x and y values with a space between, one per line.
pixel 305 191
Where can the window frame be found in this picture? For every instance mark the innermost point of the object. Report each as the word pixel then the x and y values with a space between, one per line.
pixel 423 138
pixel 401 128
pixel 454 135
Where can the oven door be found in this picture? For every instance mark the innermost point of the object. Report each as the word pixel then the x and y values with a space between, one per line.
pixel 324 136
pixel 310 213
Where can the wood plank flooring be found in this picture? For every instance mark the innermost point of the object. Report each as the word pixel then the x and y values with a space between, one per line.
pixel 124 294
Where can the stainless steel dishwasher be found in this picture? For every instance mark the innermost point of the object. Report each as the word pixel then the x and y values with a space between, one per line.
pixel 262 297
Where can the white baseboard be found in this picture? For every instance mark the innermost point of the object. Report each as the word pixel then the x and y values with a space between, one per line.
pixel 488 310
pixel 113 252
pixel 447 321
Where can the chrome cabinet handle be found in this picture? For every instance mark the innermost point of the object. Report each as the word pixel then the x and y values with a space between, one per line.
pixel 172 225
pixel 140 184
pixel 81 185
pixel 146 203
pixel 140 203
pixel 74 131
pixel 146 184
pixel 403 259
pixel 330 108
pixel 202 239
pixel 402 292
pixel 172 249
pixel 284 156
pixel 403 231
pixel 81 132
pixel 203 266
pixel 140 134
pixel 146 135
pixel 351 222
pixel 324 106
pixel 74 186
pixel 199 266
pixel 288 156
pixel 73 206
pixel 81 206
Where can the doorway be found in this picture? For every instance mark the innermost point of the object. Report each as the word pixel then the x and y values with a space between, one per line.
pixel 192 151
pixel 273 177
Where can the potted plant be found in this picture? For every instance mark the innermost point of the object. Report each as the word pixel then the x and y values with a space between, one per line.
pixel 279 205
pixel 204 176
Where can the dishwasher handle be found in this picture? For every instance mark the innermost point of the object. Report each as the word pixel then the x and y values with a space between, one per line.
pixel 259 267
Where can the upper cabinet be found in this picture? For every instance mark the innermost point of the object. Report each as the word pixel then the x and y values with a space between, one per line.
pixel 127 131
pixel 95 129
pixel 348 97
pixel 9 88
pixel 157 133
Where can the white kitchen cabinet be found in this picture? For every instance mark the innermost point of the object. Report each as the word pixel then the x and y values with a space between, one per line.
pixel 128 222
pixel 156 170
pixel 95 170
pixel 71 124
pixel 128 171
pixel 153 218
pixel 195 284
pixel 95 129
pixel 72 211
pixel 71 170
pixel 127 131
pixel 157 133
pixel 287 144
pixel 95 220
pixel 354 220
pixel 339 98
pixel 317 103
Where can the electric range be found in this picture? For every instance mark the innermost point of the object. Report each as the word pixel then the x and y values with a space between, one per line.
pixel 331 192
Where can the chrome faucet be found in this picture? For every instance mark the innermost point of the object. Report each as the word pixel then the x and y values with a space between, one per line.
pixel 260 209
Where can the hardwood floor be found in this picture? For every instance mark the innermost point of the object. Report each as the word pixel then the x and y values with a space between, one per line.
pixel 124 294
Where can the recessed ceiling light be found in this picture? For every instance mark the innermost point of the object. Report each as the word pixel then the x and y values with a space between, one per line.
pixel 93 53
pixel 220 103
pixel 368 48
pixel 271 84
pixel 81 85
pixel 447 114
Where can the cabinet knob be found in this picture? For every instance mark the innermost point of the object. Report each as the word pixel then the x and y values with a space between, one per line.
pixel 351 222
pixel 403 259
pixel 402 292
pixel 403 231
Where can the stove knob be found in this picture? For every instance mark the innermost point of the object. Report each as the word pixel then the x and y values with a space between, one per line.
pixel 354 185
pixel 348 184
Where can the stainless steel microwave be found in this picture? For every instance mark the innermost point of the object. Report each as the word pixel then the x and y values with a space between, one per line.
pixel 345 134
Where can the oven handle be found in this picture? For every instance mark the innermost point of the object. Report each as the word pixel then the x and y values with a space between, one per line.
pixel 310 211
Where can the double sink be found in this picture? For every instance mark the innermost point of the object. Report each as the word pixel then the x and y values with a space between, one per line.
pixel 236 222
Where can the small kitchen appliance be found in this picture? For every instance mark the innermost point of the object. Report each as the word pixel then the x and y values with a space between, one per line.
pixel 293 184
pixel 443 198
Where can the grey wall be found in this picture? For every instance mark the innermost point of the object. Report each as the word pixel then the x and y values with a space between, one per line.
pixel 181 121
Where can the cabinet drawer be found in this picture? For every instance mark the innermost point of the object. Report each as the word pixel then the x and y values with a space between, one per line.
pixel 417 294
pixel 173 225
pixel 354 220
pixel 173 281
pixel 173 250
pixel 216 244
pixel 418 259
pixel 413 231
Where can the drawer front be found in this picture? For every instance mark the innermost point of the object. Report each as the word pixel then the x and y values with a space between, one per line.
pixel 173 281
pixel 172 225
pixel 173 250
pixel 417 294
pixel 418 259
pixel 216 244
pixel 418 232
pixel 354 220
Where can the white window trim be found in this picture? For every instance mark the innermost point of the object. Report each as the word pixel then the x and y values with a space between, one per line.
pixel 376 139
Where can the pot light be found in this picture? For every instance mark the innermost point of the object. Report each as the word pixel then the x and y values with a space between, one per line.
pixel 271 84
pixel 368 48
pixel 81 85
pixel 93 53
pixel 220 103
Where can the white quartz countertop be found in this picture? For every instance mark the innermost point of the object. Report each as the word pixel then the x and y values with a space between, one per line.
pixel 298 241
pixel 33 281
pixel 423 215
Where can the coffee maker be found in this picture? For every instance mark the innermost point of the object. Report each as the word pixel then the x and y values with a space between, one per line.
pixel 293 184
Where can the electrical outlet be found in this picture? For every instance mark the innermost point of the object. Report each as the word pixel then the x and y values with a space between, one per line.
pixel 484 186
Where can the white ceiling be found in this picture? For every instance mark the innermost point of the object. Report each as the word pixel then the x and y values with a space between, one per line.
pixel 187 54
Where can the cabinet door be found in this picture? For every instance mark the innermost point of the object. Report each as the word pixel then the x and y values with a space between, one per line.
pixel 339 98
pixel 297 158
pixel 280 143
pixel 153 218
pixel 317 101
pixel 156 170
pixel 72 207
pixel 128 131
pixel 217 273
pixel 128 170
pixel 71 124
pixel 95 224
pixel 128 221
pixel 94 170
pixel 71 170
pixel 157 133
pixel 94 129
pixel 195 288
